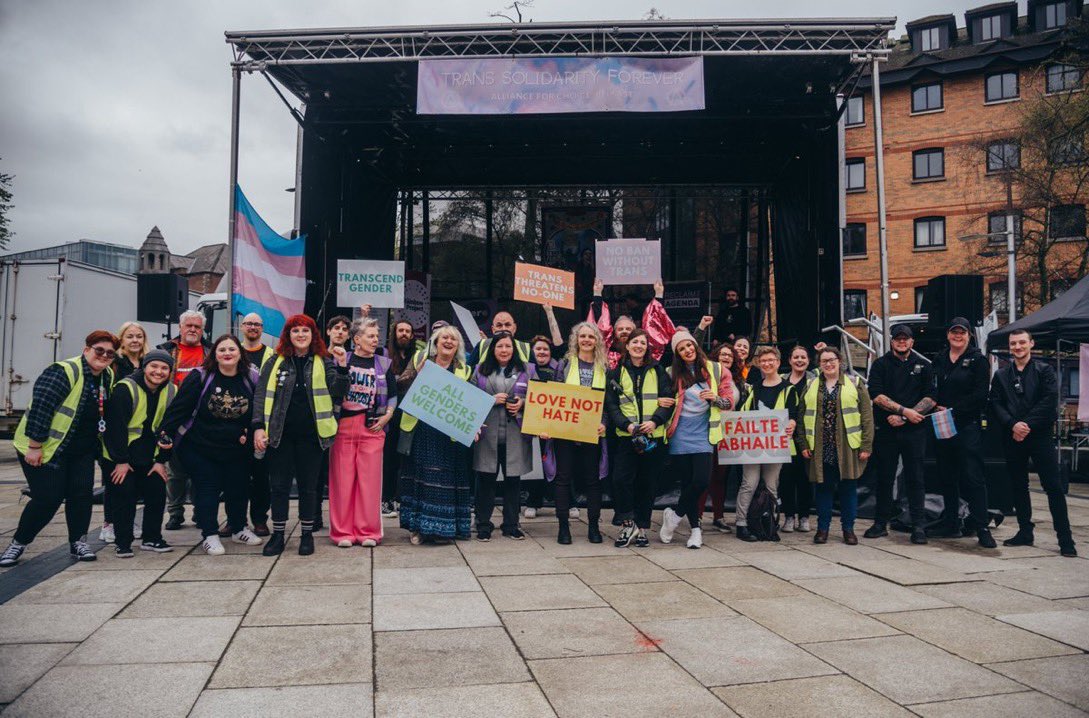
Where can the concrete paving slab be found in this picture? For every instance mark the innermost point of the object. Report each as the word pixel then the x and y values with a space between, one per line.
pixel 596 571
pixel 836 695
pixel 417 557
pixel 791 565
pixel 320 570
pixel 53 623
pixel 294 656
pixel 869 594
pixel 143 560
pixel 736 584
pixel 968 561
pixel 662 600
pixel 433 610
pixel 310 605
pixel 448 657
pixel 611 685
pixel 918 673
pixel 579 547
pixel 1069 627
pixel 1062 677
pixel 23 663
pixel 88 587
pixel 1060 581
pixel 1082 603
pixel 970 635
pixel 914 573
pixel 352 699
pixel 156 640
pixel 200 567
pixel 682 558
pixel 729 651
pixel 193 598
pixel 537 593
pixel 111 691
pixel 568 633
pixel 1010 705
pixel 987 598
pixel 844 554
pixel 448 579
pixel 808 618
pixel 505 563
pixel 510 700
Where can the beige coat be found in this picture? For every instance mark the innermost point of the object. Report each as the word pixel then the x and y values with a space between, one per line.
pixel 850 466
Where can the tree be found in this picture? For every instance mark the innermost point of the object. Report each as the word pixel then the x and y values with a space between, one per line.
pixel 516 8
pixel 6 234
pixel 654 14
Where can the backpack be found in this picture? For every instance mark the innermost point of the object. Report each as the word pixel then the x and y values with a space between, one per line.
pixel 763 514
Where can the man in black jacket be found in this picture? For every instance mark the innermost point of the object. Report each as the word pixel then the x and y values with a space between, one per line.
pixel 961 376
pixel 901 385
pixel 733 320
pixel 1024 406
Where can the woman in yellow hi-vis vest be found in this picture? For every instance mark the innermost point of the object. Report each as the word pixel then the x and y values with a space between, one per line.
pixel 58 442
pixel 293 422
pixel 837 418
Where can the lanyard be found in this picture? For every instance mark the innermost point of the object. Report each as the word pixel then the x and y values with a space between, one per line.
pixel 101 408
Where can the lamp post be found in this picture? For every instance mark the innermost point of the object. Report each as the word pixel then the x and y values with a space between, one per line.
pixel 1011 262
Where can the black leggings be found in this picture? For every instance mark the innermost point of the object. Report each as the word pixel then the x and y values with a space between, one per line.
pixel 694 471
pixel 577 463
pixel 634 479
pixel 67 480
pixel 795 491
pixel 296 458
pixel 123 498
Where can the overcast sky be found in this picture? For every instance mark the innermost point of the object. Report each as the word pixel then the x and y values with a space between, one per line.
pixel 116 114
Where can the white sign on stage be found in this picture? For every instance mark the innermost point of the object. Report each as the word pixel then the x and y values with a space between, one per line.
pixel 467 322
pixel 370 281
pixel 628 261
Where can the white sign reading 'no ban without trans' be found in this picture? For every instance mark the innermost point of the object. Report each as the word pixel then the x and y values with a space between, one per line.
pixel 369 281
pixel 629 261
pixel 755 437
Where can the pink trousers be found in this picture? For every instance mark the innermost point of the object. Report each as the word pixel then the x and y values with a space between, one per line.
pixel 355 482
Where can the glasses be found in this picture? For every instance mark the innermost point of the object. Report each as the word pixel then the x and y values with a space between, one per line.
pixel 252 324
pixel 107 353
pixel 829 361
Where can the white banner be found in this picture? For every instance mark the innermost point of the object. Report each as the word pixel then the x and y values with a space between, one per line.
pixel 755 437
pixel 628 261
pixel 369 281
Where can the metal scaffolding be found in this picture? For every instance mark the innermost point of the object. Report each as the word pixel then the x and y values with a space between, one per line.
pixel 254 51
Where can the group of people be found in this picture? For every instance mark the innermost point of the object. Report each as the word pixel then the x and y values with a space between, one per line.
pixel 239 422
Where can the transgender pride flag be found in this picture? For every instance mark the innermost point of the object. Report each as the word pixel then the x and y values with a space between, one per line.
pixel 268 273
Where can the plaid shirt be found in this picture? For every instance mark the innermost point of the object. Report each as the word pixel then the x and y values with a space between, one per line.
pixel 50 390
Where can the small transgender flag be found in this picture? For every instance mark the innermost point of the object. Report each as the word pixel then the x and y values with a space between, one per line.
pixel 944 428
pixel 268 274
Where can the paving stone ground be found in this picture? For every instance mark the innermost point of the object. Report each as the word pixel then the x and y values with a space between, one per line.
pixel 531 628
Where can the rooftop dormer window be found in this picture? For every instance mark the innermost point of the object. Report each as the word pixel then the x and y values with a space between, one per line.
pixel 933 33
pixel 990 28
pixel 930 39
pixel 1053 15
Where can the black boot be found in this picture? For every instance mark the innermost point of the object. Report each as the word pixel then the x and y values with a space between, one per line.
pixel 275 545
pixel 594 533
pixel 985 538
pixel 1023 537
pixel 878 530
pixel 918 535
pixel 306 543
pixel 1066 547
pixel 564 536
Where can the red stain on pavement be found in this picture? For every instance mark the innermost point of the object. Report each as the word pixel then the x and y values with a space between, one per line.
pixel 647 643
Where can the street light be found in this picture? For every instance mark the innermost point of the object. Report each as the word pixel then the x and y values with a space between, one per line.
pixel 1011 262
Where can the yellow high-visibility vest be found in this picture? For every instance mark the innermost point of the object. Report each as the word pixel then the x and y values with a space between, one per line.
pixel 322 402
pixel 648 400
pixel 139 410
pixel 65 413
pixel 848 407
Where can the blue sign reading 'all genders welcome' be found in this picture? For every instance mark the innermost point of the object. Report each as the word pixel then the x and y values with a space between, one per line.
pixel 446 403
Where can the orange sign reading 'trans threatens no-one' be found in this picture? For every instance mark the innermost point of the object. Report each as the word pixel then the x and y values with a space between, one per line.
pixel 544 285
pixel 563 411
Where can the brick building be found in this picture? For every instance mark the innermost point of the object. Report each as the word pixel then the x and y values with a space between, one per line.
pixel 954 104
pixel 202 268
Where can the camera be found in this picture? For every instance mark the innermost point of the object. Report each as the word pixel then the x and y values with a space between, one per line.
pixel 643 444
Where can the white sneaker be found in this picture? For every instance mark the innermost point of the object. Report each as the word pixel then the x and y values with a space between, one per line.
pixel 804 525
pixel 573 513
pixel 696 539
pixel 670 522
pixel 368 543
pixel 788 525
pixel 107 534
pixel 344 543
pixel 247 537
pixel 212 545
pixel 137 530
pixel 529 512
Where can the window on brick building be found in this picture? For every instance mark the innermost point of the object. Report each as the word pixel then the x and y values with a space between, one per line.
pixel 996 227
pixel 854 304
pixel 1001 86
pixel 928 164
pixel 1066 150
pixel 1067 221
pixel 1061 78
pixel 999 292
pixel 855 111
pixel 925 98
pixel 854 239
pixel 856 174
pixel 930 39
pixel 1054 15
pixel 930 232
pixel 990 28
pixel 1003 155
pixel 1058 287
pixel 920 297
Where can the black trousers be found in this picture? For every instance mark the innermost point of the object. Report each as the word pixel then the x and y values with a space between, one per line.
pixel 391 459
pixel 960 465
pixel 795 490
pixel 66 479
pixel 577 463
pixel 485 496
pixel 124 496
pixel 212 478
pixel 635 477
pixel 694 471
pixel 260 493
pixel 297 458
pixel 1040 448
pixel 889 446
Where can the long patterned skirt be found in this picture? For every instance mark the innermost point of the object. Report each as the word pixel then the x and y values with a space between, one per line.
pixel 435 486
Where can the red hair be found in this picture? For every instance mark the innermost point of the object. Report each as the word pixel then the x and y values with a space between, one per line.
pixel 317 345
